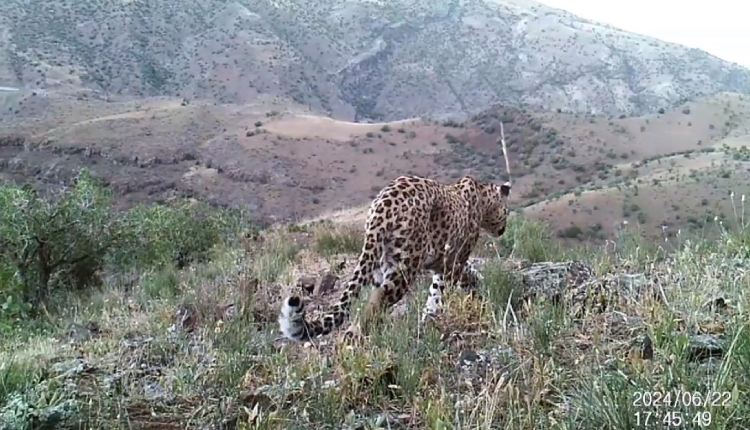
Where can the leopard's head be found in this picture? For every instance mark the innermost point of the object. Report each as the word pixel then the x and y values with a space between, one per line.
pixel 495 216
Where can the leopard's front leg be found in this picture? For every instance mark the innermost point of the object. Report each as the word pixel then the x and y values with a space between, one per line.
pixel 464 277
pixel 434 305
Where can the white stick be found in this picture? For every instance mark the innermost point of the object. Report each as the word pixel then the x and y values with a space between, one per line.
pixel 505 151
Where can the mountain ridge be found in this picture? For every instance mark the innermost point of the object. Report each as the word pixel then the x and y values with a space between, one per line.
pixel 353 60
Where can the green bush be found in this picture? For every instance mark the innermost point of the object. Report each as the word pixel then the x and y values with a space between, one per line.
pixel 160 235
pixel 572 232
pixel 452 139
pixel 162 284
pixel 12 304
pixel 499 287
pixel 64 240
pixel 28 400
pixel 61 240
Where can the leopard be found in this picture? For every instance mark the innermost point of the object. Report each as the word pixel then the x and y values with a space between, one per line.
pixel 415 225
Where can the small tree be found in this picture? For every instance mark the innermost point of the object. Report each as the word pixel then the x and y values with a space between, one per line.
pixel 63 238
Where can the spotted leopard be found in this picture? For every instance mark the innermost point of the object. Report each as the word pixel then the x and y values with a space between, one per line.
pixel 414 225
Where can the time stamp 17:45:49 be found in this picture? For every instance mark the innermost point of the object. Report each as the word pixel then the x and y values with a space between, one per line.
pixel 676 419
pixel 663 409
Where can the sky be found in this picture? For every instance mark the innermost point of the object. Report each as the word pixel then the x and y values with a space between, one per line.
pixel 719 27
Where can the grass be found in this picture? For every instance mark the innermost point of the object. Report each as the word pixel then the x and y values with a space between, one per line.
pixel 529 241
pixel 490 361
pixel 275 259
pixel 332 240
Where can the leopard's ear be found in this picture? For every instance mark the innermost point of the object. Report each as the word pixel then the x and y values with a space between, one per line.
pixel 505 189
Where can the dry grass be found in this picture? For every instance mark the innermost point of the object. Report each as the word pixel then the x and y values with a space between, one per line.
pixel 482 364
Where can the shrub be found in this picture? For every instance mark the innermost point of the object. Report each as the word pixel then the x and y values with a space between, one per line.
pixel 572 232
pixel 500 286
pixel 163 235
pixel 63 240
pixel 60 239
pixel 12 304
pixel 452 139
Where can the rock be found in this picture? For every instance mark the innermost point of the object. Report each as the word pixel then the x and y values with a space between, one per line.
pixel 81 333
pixel 647 348
pixel 326 284
pixel 476 367
pixel 705 346
pixel 152 390
pixel 569 283
pixel 187 318
pixel 468 357
pixel 306 283
pixel 226 312
pixel 551 280
pixel 72 367
pixel 573 284
pixel 717 305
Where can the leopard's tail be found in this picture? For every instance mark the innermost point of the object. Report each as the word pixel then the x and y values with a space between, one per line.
pixel 292 319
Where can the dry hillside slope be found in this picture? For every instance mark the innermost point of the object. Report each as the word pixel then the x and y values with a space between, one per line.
pixel 591 175
pixel 284 163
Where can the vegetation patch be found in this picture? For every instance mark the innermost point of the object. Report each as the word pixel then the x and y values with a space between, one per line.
pixel 171 342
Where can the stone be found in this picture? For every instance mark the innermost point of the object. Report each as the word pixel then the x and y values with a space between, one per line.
pixel 468 357
pixel 187 318
pixel 717 305
pixel 226 312
pixel 647 348
pixel 83 332
pixel 705 346
pixel 326 284
pixel 307 284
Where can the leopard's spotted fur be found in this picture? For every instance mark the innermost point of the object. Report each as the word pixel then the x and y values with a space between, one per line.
pixel 414 224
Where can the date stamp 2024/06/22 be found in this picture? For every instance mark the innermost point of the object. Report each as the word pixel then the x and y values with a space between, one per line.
pixel 677 409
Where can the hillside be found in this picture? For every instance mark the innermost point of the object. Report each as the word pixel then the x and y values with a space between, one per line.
pixel 284 163
pixel 133 294
pixel 353 60
pixel 589 177
pixel 260 106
